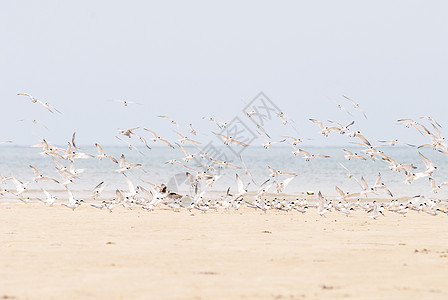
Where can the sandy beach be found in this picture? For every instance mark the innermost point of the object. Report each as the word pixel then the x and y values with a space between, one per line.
pixel 56 253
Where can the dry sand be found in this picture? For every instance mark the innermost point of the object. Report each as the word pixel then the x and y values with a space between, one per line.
pixel 55 253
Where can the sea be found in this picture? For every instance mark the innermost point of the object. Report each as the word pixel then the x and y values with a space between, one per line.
pixel 319 174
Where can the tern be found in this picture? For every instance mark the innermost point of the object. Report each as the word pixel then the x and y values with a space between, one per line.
pixel 125 103
pixel 158 138
pixel 228 139
pixel 355 106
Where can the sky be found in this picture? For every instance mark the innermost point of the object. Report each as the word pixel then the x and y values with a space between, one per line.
pixel 190 59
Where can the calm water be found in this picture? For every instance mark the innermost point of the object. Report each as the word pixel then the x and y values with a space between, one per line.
pixel 317 174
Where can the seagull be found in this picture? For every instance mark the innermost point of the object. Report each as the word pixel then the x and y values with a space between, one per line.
pixel 130 146
pixel 125 103
pixel 296 141
pixel 395 142
pixel 307 156
pixel 242 190
pixel 47 105
pixel 34 100
pixel 184 139
pixel 431 120
pixel 246 170
pixel 97 190
pixel 50 198
pixel 171 120
pixel 5 142
pixel 72 203
pixel 434 186
pixel 321 209
pixel 229 139
pixel 342 129
pixel 323 129
pixel 429 166
pixel 20 186
pixel 102 155
pixel 366 189
pixel 360 136
pixel 40 176
pixel 158 138
pixel 275 173
pixel 188 156
pixel 193 132
pixel 379 185
pixel 281 186
pixel 355 106
pixel 349 155
pixel 267 143
pixel 126 166
pixel 35 122
pixel 128 132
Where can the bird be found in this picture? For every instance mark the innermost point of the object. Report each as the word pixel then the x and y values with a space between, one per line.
pixel 130 146
pixel 228 139
pixel 50 199
pixel 436 187
pixel 355 106
pixel 102 155
pixel 349 155
pixel 97 190
pixel 125 102
pixel 275 173
pixel 184 139
pixel 307 156
pixel 341 128
pixel 47 105
pixel 158 138
pixel 188 155
pixel 296 141
pixel 72 203
pixel 35 122
pixel 128 132
pixel 395 142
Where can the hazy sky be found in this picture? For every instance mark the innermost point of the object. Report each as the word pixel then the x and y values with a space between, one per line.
pixel 189 59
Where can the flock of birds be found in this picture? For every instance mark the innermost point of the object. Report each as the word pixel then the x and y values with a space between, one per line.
pixel 202 175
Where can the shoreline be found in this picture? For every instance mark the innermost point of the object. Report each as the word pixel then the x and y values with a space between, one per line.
pixel 53 253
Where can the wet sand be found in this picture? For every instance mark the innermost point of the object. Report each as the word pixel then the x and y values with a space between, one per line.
pixel 56 253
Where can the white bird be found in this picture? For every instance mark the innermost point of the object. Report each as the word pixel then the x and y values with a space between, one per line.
pixel 242 190
pixel 47 105
pixel 282 186
pixel 323 129
pixel 102 155
pixel 342 129
pixel 307 156
pixel 128 132
pixel 380 185
pixel 158 138
pixel 275 173
pixel 20 186
pixel 40 177
pixel 125 103
pixel 72 203
pixel 228 139
pixel 188 155
pixel 130 146
pixel 97 190
pixel 436 187
pixel 395 142
pixel 349 155
pixel 356 106
pixel 184 139
pixel 50 198
pixel 322 209
pixel 296 141
pixel 35 122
